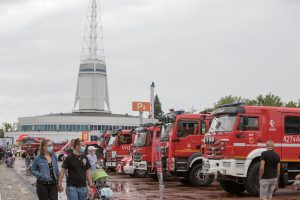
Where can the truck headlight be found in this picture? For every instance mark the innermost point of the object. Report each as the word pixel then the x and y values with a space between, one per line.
pixel 142 165
pixel 227 164
pixel 206 166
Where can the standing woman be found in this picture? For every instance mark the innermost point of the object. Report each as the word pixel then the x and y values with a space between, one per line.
pixel 45 168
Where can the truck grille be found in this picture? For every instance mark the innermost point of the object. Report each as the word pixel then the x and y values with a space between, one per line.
pixel 215 148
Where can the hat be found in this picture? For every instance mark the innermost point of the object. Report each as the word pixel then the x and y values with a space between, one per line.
pixel 90 148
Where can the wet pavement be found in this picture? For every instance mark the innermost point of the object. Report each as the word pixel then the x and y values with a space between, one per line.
pixel 127 188
pixel 13 186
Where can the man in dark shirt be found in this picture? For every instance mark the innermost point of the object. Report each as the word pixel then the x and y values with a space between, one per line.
pixel 79 173
pixel 269 171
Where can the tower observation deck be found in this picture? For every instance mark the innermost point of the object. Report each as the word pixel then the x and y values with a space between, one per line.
pixel 92 88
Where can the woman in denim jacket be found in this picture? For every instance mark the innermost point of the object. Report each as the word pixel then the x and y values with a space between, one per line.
pixel 45 168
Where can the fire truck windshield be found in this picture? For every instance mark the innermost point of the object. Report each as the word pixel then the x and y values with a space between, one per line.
pixel 112 140
pixel 166 129
pixel 222 123
pixel 140 139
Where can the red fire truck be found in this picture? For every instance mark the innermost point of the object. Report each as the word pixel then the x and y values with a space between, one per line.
pixel 237 137
pixel 143 152
pixel 182 155
pixel 118 147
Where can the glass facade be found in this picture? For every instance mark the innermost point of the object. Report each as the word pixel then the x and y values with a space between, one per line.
pixel 73 127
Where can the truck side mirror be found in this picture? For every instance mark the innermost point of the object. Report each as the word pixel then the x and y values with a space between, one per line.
pixel 218 125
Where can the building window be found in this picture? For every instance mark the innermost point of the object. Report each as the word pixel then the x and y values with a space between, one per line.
pixel 26 128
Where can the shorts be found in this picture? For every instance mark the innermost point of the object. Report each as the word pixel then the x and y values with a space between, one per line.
pixel 267 187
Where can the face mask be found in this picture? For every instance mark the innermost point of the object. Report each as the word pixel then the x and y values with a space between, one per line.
pixel 92 153
pixel 82 149
pixel 49 149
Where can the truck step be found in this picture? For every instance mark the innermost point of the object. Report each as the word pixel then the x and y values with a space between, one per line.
pixel 181 162
pixel 181 170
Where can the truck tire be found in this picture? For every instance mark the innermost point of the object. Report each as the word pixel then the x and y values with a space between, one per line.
pixel 140 173
pixel 232 187
pixel 252 180
pixel 197 178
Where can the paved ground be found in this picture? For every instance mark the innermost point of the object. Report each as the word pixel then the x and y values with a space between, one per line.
pixel 13 186
pixel 126 188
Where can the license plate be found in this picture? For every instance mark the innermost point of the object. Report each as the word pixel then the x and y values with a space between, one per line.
pixel 111 164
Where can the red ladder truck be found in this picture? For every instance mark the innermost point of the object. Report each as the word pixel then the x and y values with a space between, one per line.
pixel 237 137
pixel 182 155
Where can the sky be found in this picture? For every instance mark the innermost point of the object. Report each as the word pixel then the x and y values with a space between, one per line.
pixel 196 51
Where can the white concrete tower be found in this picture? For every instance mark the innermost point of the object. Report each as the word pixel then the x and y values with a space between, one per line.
pixel 92 88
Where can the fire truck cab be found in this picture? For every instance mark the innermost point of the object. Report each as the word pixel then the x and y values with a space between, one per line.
pixel 143 149
pixel 118 147
pixel 237 137
pixel 182 155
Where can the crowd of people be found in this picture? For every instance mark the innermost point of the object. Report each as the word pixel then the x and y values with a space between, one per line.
pixel 8 154
pixel 77 168
pixel 42 163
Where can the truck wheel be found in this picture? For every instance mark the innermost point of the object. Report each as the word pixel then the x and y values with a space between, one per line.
pixel 140 173
pixel 197 178
pixel 252 180
pixel 232 187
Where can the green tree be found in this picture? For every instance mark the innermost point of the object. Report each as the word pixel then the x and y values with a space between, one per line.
pixel 250 102
pixel 269 100
pixel 292 104
pixel 157 108
pixel 4 128
pixel 1 132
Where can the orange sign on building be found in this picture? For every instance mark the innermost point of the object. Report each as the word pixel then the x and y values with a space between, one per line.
pixel 85 136
pixel 141 106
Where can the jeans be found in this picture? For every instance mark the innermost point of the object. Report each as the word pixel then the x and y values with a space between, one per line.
pixel 267 187
pixel 46 192
pixel 77 193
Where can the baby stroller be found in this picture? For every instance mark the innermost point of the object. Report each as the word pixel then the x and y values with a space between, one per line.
pixel 101 190
pixel 9 160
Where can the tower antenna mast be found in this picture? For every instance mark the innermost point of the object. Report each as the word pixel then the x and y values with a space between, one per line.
pixel 92 88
